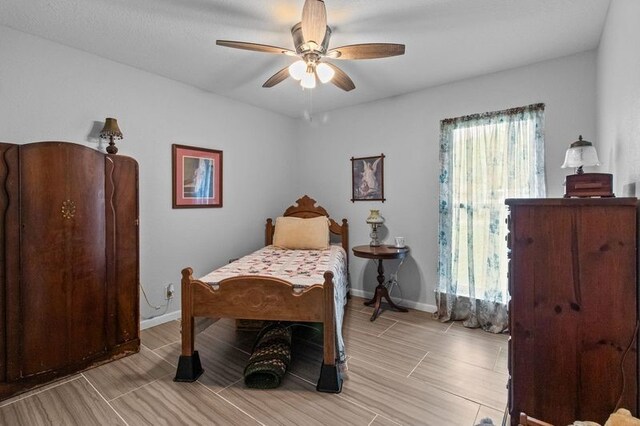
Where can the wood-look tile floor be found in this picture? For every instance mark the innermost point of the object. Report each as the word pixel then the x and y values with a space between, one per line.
pixel 404 368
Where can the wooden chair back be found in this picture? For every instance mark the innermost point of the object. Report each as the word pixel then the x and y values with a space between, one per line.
pixel 530 421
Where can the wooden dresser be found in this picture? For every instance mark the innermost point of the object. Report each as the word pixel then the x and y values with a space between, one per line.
pixel 573 308
pixel 69 262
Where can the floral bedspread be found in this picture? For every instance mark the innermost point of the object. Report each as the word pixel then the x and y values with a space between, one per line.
pixel 300 268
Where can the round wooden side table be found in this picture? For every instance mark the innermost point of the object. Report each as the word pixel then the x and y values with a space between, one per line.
pixel 381 253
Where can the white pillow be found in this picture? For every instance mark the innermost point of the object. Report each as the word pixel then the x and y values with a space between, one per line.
pixel 301 234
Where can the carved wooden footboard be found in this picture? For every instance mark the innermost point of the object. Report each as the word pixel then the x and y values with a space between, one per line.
pixel 264 298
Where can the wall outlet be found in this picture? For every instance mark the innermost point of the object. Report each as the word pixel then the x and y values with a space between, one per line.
pixel 169 290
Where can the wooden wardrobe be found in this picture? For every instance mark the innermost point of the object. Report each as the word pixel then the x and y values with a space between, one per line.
pixel 69 261
pixel 573 352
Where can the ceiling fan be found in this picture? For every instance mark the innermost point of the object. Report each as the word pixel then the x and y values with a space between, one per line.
pixel 311 40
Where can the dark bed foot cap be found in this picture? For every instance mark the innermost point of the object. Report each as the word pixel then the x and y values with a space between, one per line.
pixel 189 368
pixel 330 379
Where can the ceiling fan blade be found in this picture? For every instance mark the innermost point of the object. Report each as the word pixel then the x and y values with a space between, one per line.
pixel 314 21
pixel 278 77
pixel 253 46
pixel 366 51
pixel 341 79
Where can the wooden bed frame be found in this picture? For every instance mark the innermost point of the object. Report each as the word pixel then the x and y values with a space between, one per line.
pixel 265 298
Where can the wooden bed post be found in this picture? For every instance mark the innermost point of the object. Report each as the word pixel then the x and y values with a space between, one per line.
pixel 330 377
pixel 189 367
pixel 268 232
pixel 344 237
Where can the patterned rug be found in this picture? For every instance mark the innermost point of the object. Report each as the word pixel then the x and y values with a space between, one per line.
pixel 270 357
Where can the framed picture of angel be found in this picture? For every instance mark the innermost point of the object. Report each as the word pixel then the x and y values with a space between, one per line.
pixel 367 178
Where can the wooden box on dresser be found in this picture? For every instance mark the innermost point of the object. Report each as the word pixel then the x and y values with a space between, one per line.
pixel 69 261
pixel 573 309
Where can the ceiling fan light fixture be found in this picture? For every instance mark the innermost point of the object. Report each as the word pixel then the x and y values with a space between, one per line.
pixel 297 70
pixel 311 38
pixel 325 72
pixel 308 80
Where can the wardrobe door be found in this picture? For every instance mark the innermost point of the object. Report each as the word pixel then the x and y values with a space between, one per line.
pixel 121 207
pixel 9 256
pixel 62 250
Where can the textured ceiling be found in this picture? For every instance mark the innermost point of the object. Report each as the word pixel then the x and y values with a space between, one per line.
pixel 446 40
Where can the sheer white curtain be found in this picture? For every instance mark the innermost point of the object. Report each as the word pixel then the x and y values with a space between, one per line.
pixel 484 159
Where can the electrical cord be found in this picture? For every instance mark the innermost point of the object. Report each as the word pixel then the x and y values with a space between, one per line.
pixel 393 282
pixel 147 299
pixel 165 306
pixel 624 356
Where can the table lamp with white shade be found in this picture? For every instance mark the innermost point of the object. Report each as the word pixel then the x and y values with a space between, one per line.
pixel 581 154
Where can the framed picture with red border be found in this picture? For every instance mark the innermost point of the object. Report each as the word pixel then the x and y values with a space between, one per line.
pixel 197 177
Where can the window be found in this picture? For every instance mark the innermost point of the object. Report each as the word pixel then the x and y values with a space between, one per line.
pixel 484 159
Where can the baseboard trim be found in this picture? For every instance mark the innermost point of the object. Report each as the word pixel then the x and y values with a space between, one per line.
pixel 404 303
pixel 161 319
pixel 172 316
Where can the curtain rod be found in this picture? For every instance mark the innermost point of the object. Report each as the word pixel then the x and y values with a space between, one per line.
pixel 509 111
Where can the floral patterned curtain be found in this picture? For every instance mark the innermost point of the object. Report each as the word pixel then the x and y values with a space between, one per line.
pixel 484 159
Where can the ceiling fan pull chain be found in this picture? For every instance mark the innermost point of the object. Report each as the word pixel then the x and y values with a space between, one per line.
pixel 310 105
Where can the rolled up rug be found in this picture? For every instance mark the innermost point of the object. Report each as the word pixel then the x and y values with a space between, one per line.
pixel 270 358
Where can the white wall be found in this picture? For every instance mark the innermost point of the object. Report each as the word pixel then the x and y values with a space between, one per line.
pixel 619 96
pixel 406 129
pixel 51 92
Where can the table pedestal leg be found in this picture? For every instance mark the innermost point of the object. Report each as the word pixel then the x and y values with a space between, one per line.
pixel 380 293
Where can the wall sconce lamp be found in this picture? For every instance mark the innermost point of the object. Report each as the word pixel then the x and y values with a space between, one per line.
pixel 580 154
pixel 111 131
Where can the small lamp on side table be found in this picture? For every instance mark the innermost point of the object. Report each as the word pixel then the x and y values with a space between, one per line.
pixel 111 131
pixel 375 220
pixel 580 154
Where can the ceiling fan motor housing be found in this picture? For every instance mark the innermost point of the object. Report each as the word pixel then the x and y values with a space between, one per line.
pixel 303 47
